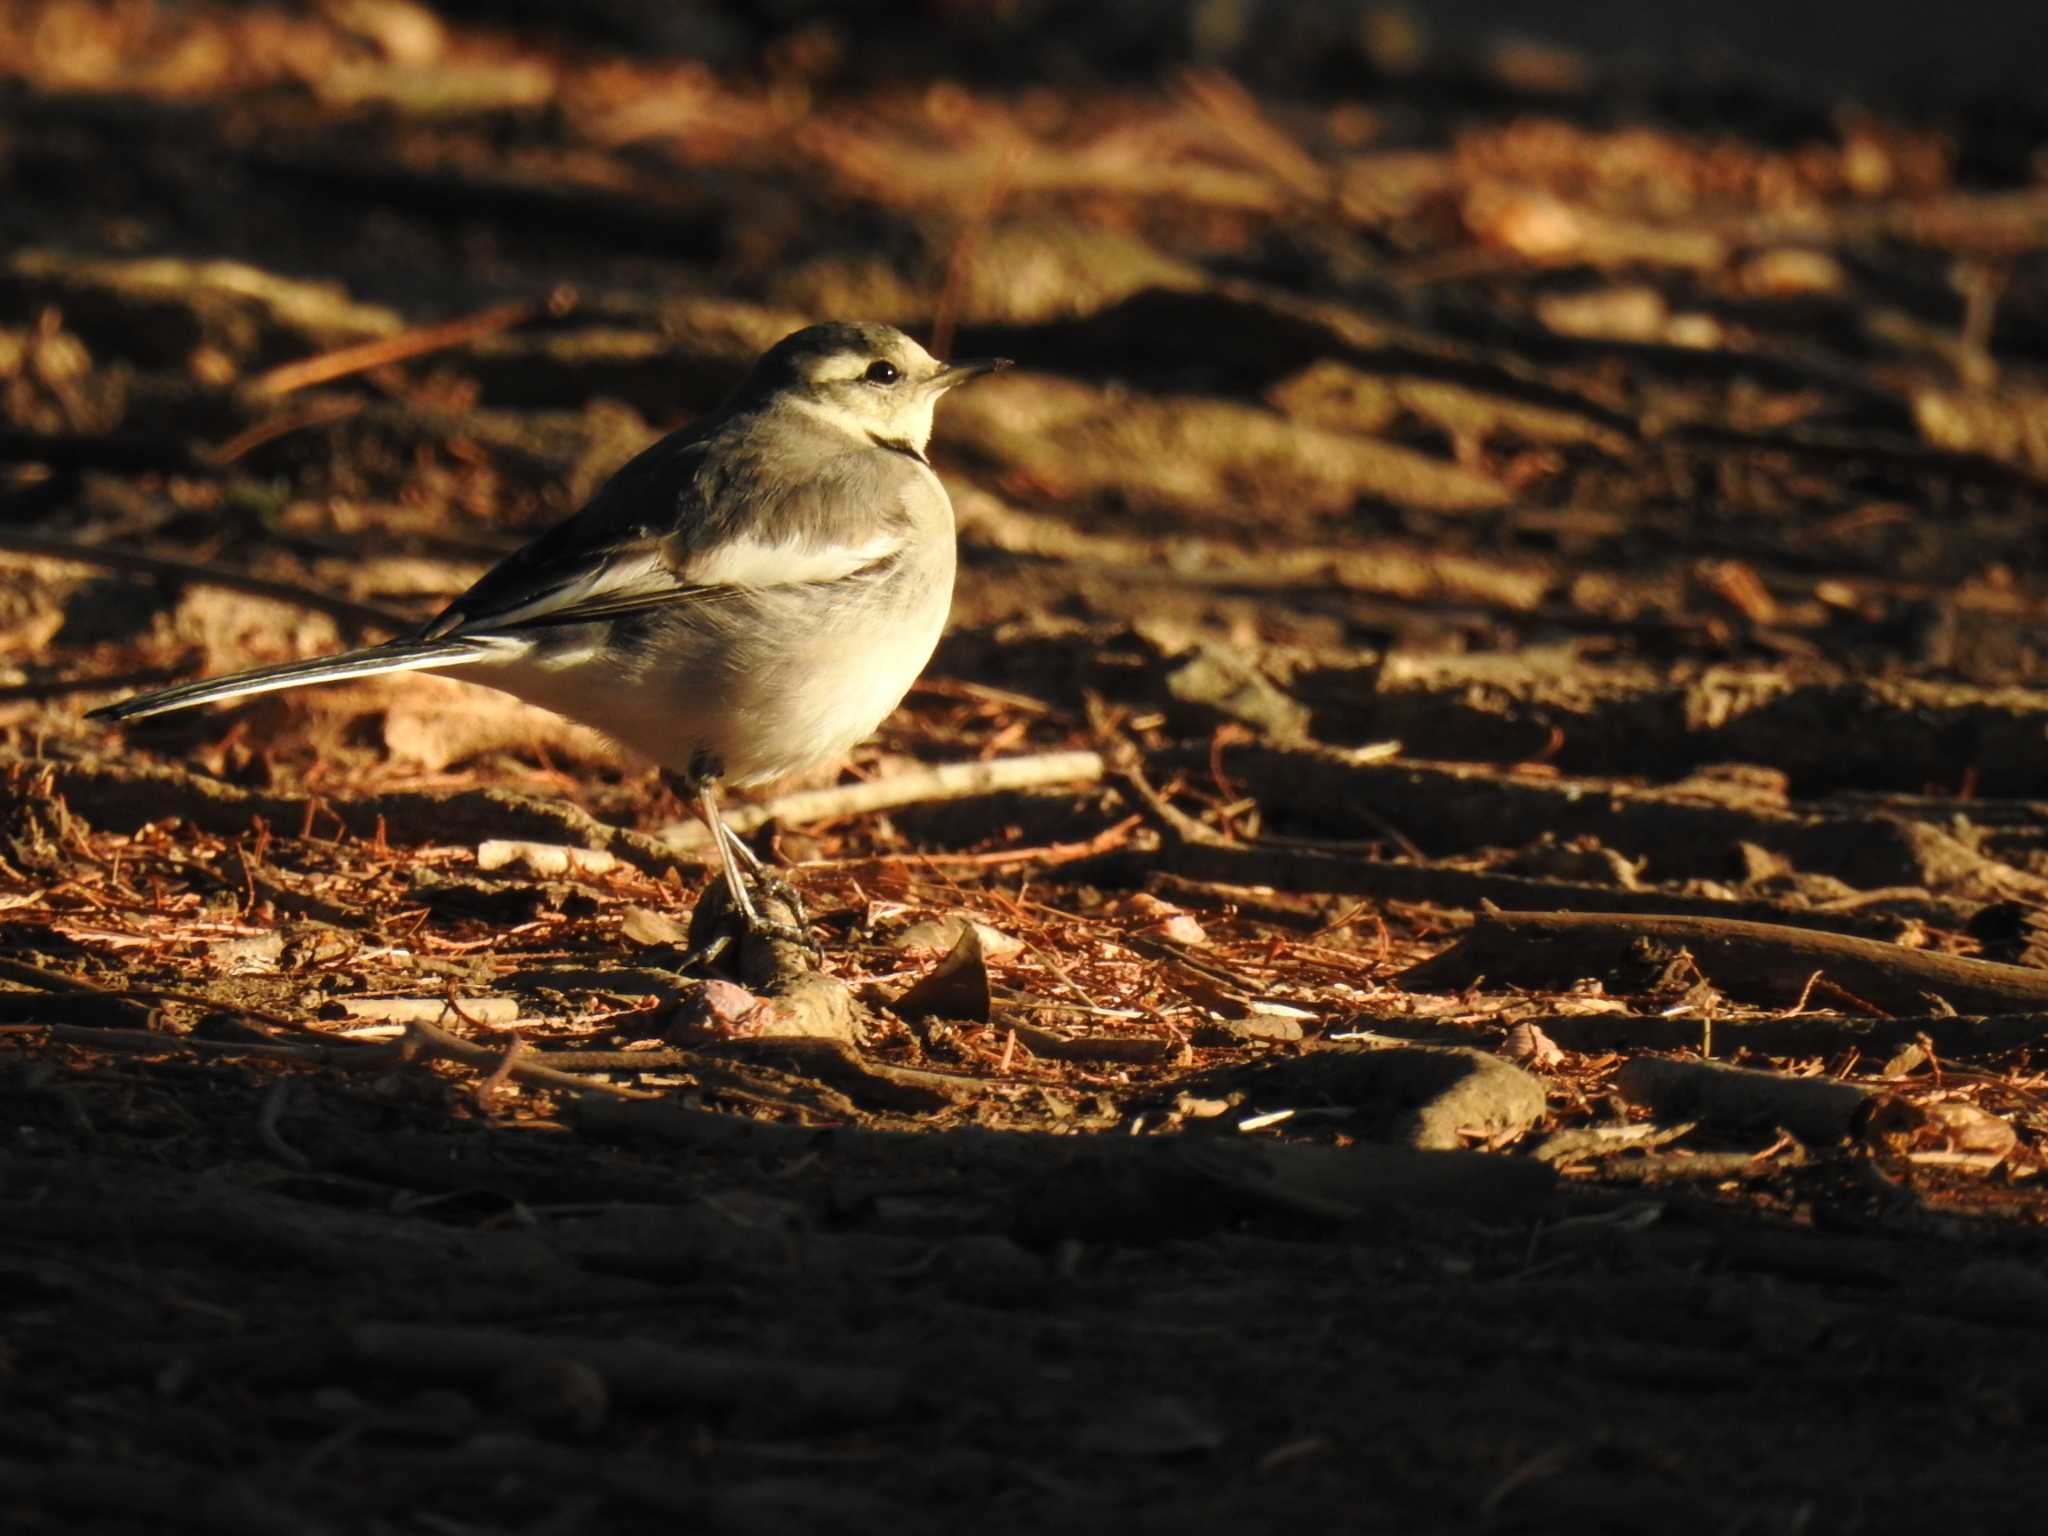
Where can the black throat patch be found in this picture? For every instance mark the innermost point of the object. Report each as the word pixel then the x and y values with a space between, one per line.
pixel 898 445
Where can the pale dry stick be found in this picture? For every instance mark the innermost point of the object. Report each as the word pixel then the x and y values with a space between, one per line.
pixel 488 1086
pixel 1799 1003
pixel 325 367
pixel 967 688
pixel 478 1012
pixel 944 781
pixel 1046 855
pixel 423 1040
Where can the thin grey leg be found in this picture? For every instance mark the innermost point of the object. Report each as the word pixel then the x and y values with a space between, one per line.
pixel 729 861
pixel 739 864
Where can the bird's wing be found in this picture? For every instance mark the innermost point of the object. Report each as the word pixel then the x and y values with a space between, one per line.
pixel 671 528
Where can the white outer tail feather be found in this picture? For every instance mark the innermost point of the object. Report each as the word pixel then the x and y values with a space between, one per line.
pixel 372 661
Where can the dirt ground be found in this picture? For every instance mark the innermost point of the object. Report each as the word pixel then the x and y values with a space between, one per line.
pixel 1453 941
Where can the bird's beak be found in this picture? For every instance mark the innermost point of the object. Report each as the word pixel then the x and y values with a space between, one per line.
pixel 968 368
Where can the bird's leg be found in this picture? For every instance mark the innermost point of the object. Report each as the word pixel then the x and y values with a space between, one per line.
pixel 764 880
pixel 739 863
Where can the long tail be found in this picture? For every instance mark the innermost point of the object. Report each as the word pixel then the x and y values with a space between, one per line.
pixel 396 656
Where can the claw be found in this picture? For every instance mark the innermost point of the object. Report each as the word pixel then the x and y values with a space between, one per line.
pixel 772 887
pixel 787 933
pixel 747 878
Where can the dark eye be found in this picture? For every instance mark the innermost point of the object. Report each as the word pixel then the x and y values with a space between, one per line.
pixel 881 372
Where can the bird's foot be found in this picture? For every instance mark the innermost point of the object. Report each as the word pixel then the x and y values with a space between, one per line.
pixel 772 889
pixel 718 922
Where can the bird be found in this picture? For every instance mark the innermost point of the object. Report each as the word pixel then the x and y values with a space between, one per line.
pixel 747 598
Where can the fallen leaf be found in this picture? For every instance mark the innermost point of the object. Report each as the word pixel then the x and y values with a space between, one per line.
pixel 955 988
pixel 1531 1047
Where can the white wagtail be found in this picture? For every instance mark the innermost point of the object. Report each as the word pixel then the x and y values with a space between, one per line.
pixel 747 598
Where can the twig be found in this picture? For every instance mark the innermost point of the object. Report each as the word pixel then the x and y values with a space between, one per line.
pixel 431 1010
pixel 944 781
pixel 319 413
pixel 1171 817
pixel 875 1084
pixel 1045 855
pixel 1762 962
pixel 1808 1034
pixel 325 367
pixel 1307 869
pixel 424 1040
pixel 498 1076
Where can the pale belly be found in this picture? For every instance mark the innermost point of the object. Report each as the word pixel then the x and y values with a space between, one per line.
pixel 786 688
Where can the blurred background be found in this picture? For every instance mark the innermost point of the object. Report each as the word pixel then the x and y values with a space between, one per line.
pixel 1582 458
pixel 1347 330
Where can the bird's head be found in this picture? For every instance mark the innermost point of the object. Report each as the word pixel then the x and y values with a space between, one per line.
pixel 866 379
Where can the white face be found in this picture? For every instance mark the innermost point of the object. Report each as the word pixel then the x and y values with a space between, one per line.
pixel 879 385
pixel 885 391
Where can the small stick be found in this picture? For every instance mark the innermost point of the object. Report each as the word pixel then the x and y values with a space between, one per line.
pixel 326 367
pixel 498 1076
pixel 426 1040
pixel 944 781
pixel 319 414
pixel 478 1012
pixel 1047 855
pixel 1757 962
